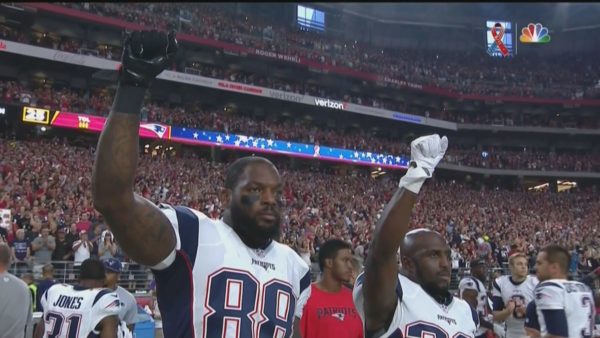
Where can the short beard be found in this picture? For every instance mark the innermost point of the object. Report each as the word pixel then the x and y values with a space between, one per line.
pixel 248 229
pixel 440 295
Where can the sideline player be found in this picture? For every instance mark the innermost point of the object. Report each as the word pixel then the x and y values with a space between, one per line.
pixel 511 294
pixel 128 311
pixel 82 310
pixel 325 309
pixel 472 289
pixel 415 302
pixel 561 308
pixel 214 278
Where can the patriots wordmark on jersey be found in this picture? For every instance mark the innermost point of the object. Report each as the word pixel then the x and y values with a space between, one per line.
pixel 219 287
pixel 419 315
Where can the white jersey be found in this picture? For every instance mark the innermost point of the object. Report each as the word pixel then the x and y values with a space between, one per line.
pixel 472 283
pixel 417 314
pixel 219 287
pixel 74 311
pixel 504 289
pixel 573 299
pixel 129 309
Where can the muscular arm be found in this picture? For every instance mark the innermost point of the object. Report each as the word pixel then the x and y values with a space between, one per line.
pixel 109 327
pixel 381 268
pixel 140 227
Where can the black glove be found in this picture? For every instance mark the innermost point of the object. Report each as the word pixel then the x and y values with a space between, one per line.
pixel 145 55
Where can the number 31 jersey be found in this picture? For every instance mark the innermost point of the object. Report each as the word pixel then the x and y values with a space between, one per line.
pixel 219 287
pixel 74 311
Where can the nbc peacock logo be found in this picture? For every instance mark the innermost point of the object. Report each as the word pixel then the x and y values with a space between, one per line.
pixel 534 33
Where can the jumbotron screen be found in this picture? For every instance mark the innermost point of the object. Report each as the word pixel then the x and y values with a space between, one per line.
pixel 311 19
pixel 499 38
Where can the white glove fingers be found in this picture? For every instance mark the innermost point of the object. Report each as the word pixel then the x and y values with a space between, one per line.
pixel 444 145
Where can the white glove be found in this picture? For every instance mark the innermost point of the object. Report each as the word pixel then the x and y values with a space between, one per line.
pixel 425 154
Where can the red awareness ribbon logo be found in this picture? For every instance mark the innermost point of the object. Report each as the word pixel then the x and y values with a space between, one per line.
pixel 497 34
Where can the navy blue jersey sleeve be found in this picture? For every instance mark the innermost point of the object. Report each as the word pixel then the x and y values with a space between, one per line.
pixel 556 322
pixel 475 316
pixel 305 282
pixel 531 318
pixel 497 303
pixel 186 225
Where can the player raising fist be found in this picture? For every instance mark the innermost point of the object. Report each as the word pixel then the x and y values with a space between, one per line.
pixel 225 278
pixel 415 302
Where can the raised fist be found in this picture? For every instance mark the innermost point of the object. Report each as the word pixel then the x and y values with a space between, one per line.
pixel 145 55
pixel 425 154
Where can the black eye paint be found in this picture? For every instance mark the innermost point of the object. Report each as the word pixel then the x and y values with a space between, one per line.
pixel 249 200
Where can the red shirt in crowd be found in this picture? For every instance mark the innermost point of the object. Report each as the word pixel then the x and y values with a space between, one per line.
pixel 326 315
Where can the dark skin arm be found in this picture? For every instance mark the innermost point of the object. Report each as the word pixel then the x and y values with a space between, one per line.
pixel 109 327
pixel 470 296
pixel 381 268
pixel 142 229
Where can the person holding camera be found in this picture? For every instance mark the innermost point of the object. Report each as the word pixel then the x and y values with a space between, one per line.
pixel 107 247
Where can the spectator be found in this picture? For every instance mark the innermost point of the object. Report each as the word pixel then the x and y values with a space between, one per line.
pixel 64 249
pixel 107 247
pixel 82 248
pixel 84 223
pixel 305 249
pixel 21 252
pixel 42 246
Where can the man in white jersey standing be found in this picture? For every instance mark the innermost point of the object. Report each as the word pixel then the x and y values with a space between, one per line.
pixel 128 303
pixel 226 278
pixel 415 302
pixel 561 308
pixel 80 311
pixel 511 294
pixel 472 289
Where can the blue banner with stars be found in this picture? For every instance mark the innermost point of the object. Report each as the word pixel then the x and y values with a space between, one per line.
pixel 259 144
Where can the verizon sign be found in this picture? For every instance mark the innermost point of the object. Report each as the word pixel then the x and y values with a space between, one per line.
pixel 319 102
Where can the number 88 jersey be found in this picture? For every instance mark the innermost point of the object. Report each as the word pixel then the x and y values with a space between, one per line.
pixel 218 287
pixel 74 311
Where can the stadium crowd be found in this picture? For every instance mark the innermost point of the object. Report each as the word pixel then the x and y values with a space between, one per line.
pixel 575 78
pixel 299 86
pixel 195 115
pixel 46 185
